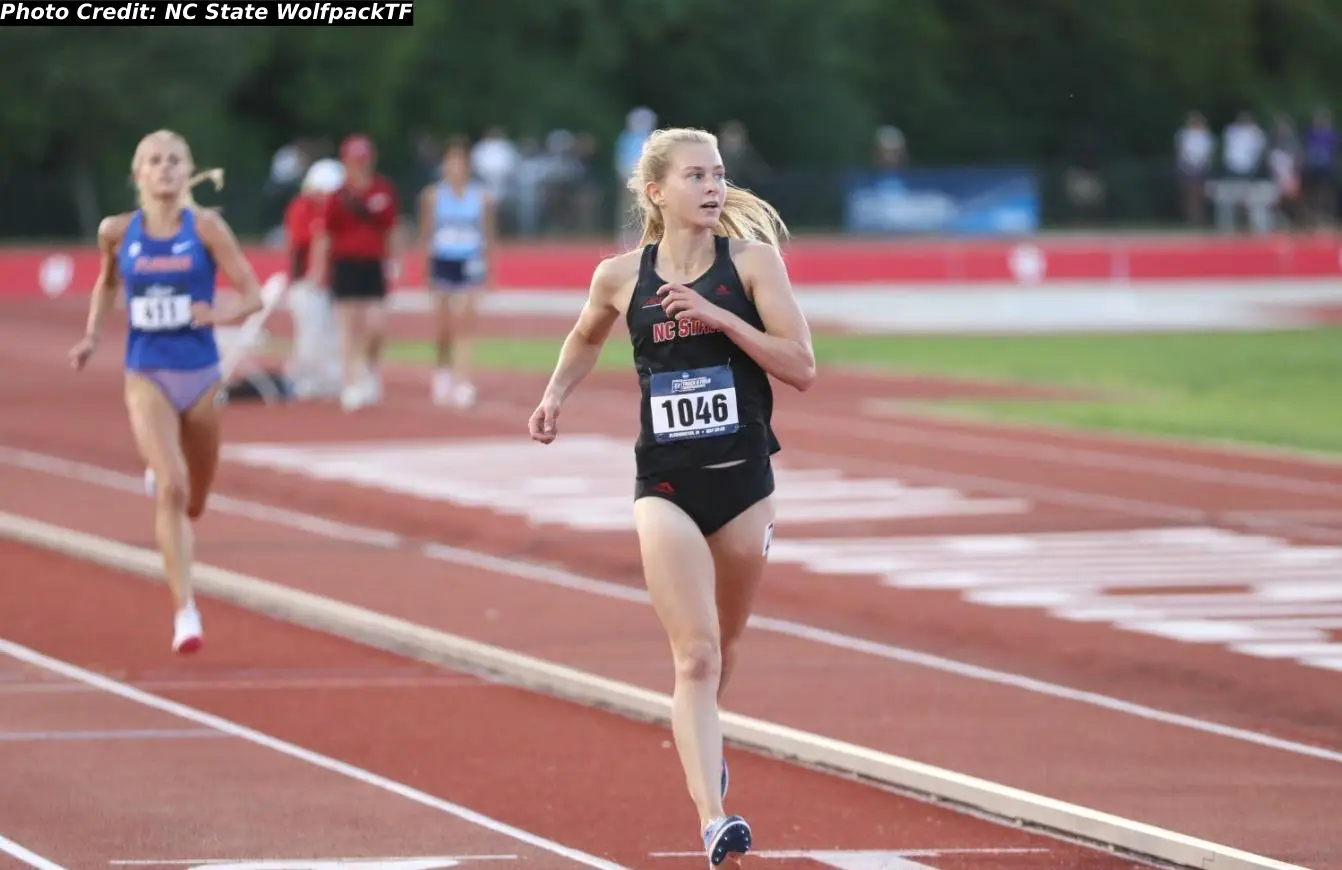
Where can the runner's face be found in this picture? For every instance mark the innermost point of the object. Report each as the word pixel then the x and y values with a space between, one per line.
pixel 695 187
pixel 163 169
pixel 456 168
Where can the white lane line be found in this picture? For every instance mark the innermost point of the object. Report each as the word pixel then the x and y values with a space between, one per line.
pixel 27 856
pixel 114 734
pixel 406 862
pixel 121 690
pixel 565 579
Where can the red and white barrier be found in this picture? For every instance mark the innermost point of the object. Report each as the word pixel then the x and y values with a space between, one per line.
pixel 56 270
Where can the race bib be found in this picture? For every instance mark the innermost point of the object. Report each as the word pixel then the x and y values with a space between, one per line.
pixel 455 237
pixel 159 313
pixel 699 403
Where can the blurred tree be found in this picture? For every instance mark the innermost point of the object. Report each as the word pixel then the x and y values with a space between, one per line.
pixel 966 80
pixel 77 99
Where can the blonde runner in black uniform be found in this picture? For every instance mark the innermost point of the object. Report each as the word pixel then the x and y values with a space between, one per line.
pixel 711 315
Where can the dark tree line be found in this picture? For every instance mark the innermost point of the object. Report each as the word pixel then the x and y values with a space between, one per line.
pixel 965 80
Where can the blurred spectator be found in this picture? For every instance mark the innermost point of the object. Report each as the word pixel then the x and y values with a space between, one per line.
pixel 1194 146
pixel 1083 180
pixel 354 247
pixel 494 159
pixel 1242 147
pixel 744 166
pixel 564 173
pixel 527 189
pixel 587 195
pixel 1283 161
pixel 1320 169
pixel 638 125
pixel 428 157
pixel 891 151
pixel 287 167
pixel 305 211
pixel 314 365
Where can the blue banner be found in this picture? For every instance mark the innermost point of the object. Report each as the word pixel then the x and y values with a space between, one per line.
pixel 971 201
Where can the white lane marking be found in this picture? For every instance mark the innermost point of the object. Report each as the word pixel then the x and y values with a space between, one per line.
pixel 110 734
pixel 607 589
pixel 27 856
pixel 358 774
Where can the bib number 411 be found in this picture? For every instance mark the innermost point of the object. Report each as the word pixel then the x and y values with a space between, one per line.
pixel 160 313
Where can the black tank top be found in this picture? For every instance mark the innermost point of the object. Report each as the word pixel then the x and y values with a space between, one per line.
pixel 704 400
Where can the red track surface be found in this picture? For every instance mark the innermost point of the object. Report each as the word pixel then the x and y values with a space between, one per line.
pixel 1275 800
pixel 591 781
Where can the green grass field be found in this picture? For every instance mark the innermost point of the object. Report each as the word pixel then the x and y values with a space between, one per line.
pixel 1273 388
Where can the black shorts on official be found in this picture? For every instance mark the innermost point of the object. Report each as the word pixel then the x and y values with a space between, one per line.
pixel 358 280
pixel 712 497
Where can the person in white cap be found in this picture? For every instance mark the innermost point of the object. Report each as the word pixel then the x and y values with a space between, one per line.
pixel 314 365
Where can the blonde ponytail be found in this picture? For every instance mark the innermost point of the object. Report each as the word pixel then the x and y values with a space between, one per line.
pixel 744 215
pixel 653 229
pixel 747 216
pixel 215 175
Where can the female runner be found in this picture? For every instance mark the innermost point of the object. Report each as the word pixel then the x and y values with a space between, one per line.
pixel 164 254
pixel 711 315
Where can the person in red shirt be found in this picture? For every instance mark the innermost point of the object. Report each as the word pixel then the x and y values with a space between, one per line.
pixel 306 209
pixel 353 246
pixel 314 367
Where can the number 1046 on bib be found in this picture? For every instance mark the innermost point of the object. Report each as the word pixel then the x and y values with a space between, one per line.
pixel 698 404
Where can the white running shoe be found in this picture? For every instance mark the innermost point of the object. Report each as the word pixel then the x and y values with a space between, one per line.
pixel 725 838
pixel 352 398
pixel 366 390
pixel 357 395
pixel 372 382
pixel 442 387
pixel 187 635
pixel 463 395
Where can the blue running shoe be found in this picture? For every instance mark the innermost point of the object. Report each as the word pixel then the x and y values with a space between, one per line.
pixel 724 837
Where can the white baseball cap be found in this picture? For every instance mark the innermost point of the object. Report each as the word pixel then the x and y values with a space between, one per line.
pixel 324 176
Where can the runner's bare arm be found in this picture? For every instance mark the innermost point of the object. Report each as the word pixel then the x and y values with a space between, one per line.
pixel 319 254
pixel 582 346
pixel 110 232
pixel 396 234
pixel 223 245
pixel 425 219
pixel 783 349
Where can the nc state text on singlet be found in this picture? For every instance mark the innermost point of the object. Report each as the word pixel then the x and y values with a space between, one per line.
pixel 669 330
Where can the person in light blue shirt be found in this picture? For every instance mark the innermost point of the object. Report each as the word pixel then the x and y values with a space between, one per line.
pixel 456 231
pixel 628 149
